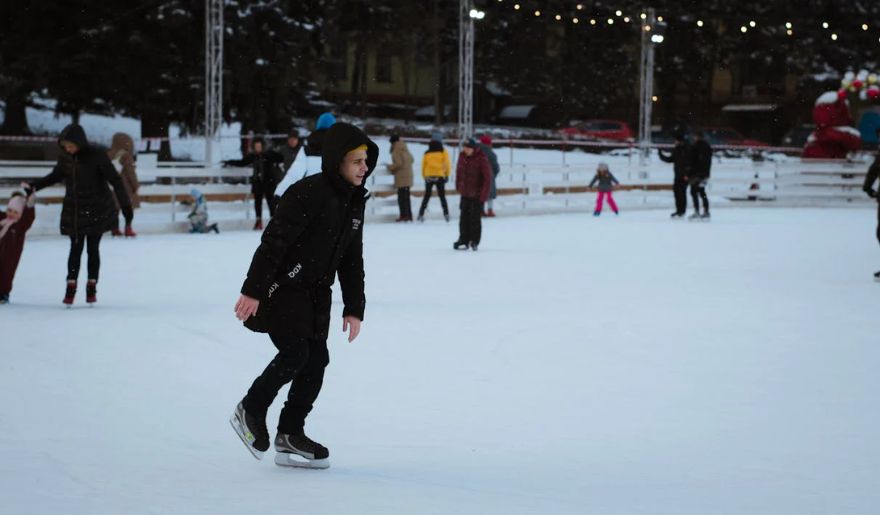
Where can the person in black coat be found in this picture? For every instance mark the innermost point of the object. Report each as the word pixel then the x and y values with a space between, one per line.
pixel 316 234
pixel 88 210
pixel 872 176
pixel 701 166
pixel 681 160
pixel 265 178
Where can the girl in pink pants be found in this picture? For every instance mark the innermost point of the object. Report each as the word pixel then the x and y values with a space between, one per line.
pixel 606 185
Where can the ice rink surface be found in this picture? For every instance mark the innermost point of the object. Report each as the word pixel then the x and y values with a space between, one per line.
pixel 574 365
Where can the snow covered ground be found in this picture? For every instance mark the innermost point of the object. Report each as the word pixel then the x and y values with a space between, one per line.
pixel 573 365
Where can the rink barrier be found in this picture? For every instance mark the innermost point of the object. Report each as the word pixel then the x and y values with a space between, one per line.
pixel 522 189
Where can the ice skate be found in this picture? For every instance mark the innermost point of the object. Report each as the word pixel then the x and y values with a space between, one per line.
pixel 676 215
pixel 460 245
pixel 877 276
pixel 298 450
pixel 129 232
pixel 91 291
pixel 69 293
pixel 597 213
pixel 4 298
pixel 705 217
pixel 421 218
pixel 695 216
pixel 252 431
pixel 446 216
pixel 474 246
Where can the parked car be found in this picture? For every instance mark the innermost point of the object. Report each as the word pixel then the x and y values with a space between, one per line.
pixel 615 130
pixel 730 136
pixel 797 136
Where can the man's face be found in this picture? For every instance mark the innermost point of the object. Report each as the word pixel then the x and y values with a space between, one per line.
pixel 13 215
pixel 258 147
pixel 292 141
pixel 468 151
pixel 70 147
pixel 354 167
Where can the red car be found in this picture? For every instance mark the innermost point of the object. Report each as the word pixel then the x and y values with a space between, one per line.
pixel 729 136
pixel 615 130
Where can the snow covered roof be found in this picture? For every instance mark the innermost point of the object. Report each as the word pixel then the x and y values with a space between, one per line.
pixel 829 97
pixel 496 89
pixel 749 107
pixel 517 111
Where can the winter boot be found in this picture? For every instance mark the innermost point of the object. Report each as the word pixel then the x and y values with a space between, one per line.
pixel 91 291
pixel 252 431
pixel 490 213
pixel 115 232
pixel 460 245
pixel 258 225
pixel 129 232
pixel 4 298
pixel 597 213
pixel 298 450
pixel 70 292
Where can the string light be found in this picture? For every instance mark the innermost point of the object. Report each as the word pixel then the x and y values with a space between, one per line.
pixel 516 7
pixel 610 21
pixel 558 17
pixel 537 13
pixel 824 24
pixel 699 23
pixel 788 25
pixel 574 20
pixel 864 26
pixel 660 18
pixel 743 29
pixel 789 32
pixel 580 7
pixel 626 19
pixel 655 98
pixel 592 21
pixel 834 37
pixel 647 28
pixel 752 24
pixel 619 13
pixel 643 16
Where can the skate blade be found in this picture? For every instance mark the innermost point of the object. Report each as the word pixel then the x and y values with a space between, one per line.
pixel 239 430
pixel 289 459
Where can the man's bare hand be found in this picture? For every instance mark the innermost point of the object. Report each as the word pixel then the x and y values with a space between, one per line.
pixel 246 307
pixel 352 323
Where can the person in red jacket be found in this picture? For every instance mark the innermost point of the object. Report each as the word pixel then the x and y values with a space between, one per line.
pixel 473 180
pixel 14 223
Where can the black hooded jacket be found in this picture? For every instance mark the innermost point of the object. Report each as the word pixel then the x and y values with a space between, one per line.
pixel 266 172
pixel 701 164
pixel 680 158
pixel 316 233
pixel 88 203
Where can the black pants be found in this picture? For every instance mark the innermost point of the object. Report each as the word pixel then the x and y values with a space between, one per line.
pixel 698 191
pixel 679 189
pixel 470 225
pixel 300 362
pixel 878 220
pixel 441 192
pixel 267 192
pixel 93 243
pixel 403 202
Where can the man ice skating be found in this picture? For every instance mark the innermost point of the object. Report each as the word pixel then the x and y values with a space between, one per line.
pixel 681 163
pixel 316 233
pixel 473 179
pixel 701 166
pixel 870 179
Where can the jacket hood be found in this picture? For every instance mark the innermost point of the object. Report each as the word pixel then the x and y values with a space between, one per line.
pixel 434 146
pixel 340 139
pixel 325 121
pixel 75 134
pixel 122 141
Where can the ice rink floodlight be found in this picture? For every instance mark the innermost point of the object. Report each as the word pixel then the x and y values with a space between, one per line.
pixel 657 38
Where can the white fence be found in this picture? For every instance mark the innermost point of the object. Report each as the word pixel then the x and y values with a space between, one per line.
pixel 522 188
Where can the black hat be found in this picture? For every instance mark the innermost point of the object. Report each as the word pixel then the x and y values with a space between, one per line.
pixel 470 142
pixel 394 138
